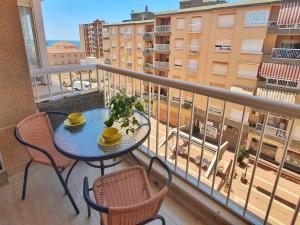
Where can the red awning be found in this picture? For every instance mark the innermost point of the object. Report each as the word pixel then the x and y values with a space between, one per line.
pixel 289 13
pixel 280 71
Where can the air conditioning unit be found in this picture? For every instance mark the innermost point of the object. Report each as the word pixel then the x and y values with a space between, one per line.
pixel 2 168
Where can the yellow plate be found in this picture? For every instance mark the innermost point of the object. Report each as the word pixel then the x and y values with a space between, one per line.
pixel 68 124
pixel 110 144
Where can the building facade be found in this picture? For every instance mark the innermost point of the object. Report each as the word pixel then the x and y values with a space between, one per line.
pixel 91 39
pixel 246 47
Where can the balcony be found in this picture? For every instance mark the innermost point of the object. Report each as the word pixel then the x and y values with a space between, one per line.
pixel 163 30
pixel 148 36
pixel 148 67
pixel 285 53
pixel 281 29
pixel 195 28
pixel 162 48
pixel 148 52
pixel 193 49
pixel 161 65
pixel 272 131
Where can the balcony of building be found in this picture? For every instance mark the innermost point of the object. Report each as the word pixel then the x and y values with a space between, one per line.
pixel 162 30
pixel 148 51
pixel 148 67
pixel 148 36
pixel 160 65
pixel 162 48
pixel 283 29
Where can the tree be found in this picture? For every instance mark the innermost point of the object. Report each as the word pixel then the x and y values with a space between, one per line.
pixel 242 154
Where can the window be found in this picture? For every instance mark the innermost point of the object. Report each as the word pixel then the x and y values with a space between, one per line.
pixel 226 20
pixel 179 43
pixel 192 66
pixel 237 115
pixel 140 31
pixel 113 31
pixel 178 63
pixel 128 30
pixel 139 46
pixel 195 26
pixel 114 57
pixel 257 18
pixel 29 36
pixel 113 44
pixel 247 70
pixel 194 47
pixel 139 61
pixel 180 24
pixel 223 45
pixel 252 46
pixel 122 59
pixel 220 68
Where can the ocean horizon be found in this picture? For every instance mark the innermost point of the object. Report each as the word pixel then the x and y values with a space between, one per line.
pixel 52 42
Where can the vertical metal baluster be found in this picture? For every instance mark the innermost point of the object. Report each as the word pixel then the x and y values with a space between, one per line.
pixel 203 140
pixel 157 119
pixel 98 80
pixel 218 151
pixel 178 128
pixel 81 81
pixel 168 123
pixel 120 86
pixel 36 90
pixel 115 83
pixel 60 85
pixel 126 85
pixel 287 143
pixel 104 86
pixel 236 153
pixel 90 80
pixel 256 161
pixel 49 85
pixel 296 213
pixel 109 86
pixel 133 87
pixel 190 136
pixel 71 82
pixel 149 113
pixel 141 92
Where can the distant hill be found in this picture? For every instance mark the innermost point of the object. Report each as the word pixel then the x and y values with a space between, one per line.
pixel 52 42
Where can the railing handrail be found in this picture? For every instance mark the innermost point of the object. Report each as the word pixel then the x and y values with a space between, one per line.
pixel 258 102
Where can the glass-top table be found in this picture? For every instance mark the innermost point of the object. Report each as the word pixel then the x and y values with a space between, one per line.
pixel 81 143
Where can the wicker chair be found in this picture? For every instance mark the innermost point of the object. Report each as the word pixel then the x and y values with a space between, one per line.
pixel 36 134
pixel 124 197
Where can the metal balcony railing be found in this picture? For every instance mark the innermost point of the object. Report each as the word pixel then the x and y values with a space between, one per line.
pixel 161 65
pixel 195 28
pixel 148 36
pixel 283 83
pixel 148 51
pixel 162 47
pixel 272 131
pixel 208 166
pixel 194 49
pixel 286 53
pixel 148 66
pixel 163 29
pixel 284 26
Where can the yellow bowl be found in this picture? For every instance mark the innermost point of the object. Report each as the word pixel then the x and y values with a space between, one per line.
pixel 75 118
pixel 110 134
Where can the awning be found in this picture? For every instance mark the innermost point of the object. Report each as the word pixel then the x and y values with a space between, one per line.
pixel 281 96
pixel 242 89
pixel 289 13
pixel 280 71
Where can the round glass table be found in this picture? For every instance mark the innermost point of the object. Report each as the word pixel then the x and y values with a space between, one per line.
pixel 81 143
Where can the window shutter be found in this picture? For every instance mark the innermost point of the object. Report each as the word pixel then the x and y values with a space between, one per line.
pixel 180 23
pixel 252 45
pixel 226 20
pixel 220 68
pixel 247 70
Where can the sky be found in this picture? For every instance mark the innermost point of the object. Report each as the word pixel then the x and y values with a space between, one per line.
pixel 62 17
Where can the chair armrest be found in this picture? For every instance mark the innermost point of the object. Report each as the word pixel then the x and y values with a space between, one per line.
pixel 89 201
pixel 163 164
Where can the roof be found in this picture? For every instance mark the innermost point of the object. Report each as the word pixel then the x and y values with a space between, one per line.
pixel 220 6
pixel 64 44
pixel 129 22
pixel 52 50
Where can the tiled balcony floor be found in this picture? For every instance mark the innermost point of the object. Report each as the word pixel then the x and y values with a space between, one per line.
pixel 46 204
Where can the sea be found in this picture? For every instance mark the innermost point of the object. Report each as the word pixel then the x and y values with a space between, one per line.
pixel 52 42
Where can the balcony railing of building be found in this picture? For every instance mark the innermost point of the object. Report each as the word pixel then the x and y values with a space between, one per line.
pixel 222 48
pixel 161 65
pixel 284 26
pixel 148 36
pixel 195 28
pixel 148 66
pixel 162 47
pixel 272 131
pixel 148 51
pixel 286 53
pixel 282 83
pixel 194 49
pixel 192 69
pixel 69 80
pixel 163 29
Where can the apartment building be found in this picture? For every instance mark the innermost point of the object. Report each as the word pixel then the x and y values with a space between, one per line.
pixel 224 45
pixel 91 39
pixel 64 53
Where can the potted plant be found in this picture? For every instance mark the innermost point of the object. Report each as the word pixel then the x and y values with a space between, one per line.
pixel 121 110
pixel 242 154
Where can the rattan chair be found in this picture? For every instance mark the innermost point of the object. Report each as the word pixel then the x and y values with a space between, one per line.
pixel 36 134
pixel 124 197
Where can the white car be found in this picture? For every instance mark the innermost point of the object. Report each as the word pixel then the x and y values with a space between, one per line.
pixel 86 85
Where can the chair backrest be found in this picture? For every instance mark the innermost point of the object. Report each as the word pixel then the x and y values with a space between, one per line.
pixel 37 130
pixel 138 213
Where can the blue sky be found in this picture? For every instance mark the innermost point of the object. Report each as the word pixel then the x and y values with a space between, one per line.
pixel 62 17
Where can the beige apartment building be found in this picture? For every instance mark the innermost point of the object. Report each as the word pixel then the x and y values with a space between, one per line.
pixel 247 47
pixel 64 53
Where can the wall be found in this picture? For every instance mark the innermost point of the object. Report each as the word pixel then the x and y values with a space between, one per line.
pixel 16 93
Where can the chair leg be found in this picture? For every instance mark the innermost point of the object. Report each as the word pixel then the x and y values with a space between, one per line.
pixel 162 219
pixel 25 179
pixel 89 210
pixel 69 173
pixel 158 217
pixel 66 190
